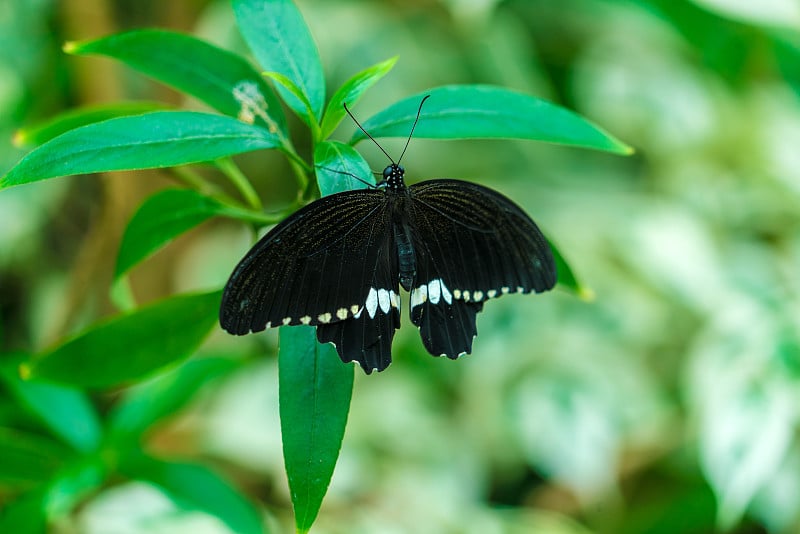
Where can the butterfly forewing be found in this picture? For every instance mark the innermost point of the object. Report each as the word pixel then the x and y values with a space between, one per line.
pixel 471 244
pixel 312 268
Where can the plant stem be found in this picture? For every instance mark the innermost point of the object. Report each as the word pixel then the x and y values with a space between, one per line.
pixel 240 181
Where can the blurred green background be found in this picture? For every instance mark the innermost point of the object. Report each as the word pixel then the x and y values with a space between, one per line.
pixel 668 404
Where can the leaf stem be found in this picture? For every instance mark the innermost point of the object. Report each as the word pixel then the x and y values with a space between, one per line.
pixel 189 177
pixel 240 181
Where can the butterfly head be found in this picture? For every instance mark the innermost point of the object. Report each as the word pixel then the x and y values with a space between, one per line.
pixel 393 177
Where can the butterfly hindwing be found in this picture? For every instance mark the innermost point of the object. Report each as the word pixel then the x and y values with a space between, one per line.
pixel 446 324
pixel 471 244
pixel 367 337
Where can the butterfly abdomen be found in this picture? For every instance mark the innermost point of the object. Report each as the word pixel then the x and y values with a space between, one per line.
pixel 406 258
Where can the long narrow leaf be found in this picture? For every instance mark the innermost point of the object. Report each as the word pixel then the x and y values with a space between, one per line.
pixel 166 215
pixel 196 487
pixel 146 403
pixel 152 140
pixel 25 513
pixel 73 484
pixel 307 113
pixel 75 118
pixel 315 391
pixel 567 277
pixel 315 387
pixel 350 92
pixel 27 459
pixel 133 345
pixel 66 411
pixel 280 40
pixel 221 79
pixel 481 111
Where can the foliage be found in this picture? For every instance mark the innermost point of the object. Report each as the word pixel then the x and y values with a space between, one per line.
pixel 667 405
pixel 315 386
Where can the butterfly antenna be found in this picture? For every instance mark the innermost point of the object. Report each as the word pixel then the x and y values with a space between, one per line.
pixel 419 110
pixel 366 132
pixel 350 174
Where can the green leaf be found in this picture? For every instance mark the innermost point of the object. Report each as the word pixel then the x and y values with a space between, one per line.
pixel 221 79
pixel 73 484
pixel 164 216
pixel 737 465
pixel 132 345
pixel 25 514
pixel 482 111
pixel 306 113
pixel 745 403
pixel 566 276
pixel 786 49
pixel 350 92
pixel 195 487
pixel 67 412
pixel 121 294
pixel 332 160
pixel 147 403
pixel 75 118
pixel 152 140
pixel 281 42
pixel 744 442
pixel 315 390
pixel 780 14
pixel 27 459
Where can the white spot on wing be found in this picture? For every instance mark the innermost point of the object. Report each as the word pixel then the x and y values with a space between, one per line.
pixel 395 299
pixel 457 293
pixel 286 320
pixel 505 290
pixel 268 325
pixel 384 300
pixel 466 296
pixel 492 293
pixel 305 319
pixel 354 309
pixel 434 291
pixel 477 296
pixel 419 295
pixel 324 317
pixel 341 313
pixel 372 302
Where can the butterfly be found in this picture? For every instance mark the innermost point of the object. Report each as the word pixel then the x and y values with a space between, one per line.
pixel 338 264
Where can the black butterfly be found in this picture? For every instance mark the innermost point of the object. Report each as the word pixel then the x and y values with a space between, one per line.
pixel 338 262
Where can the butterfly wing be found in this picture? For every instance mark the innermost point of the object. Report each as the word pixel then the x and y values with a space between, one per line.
pixel 318 267
pixel 471 244
pixel 367 337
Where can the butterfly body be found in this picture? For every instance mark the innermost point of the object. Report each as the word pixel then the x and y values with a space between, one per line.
pixel 339 262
